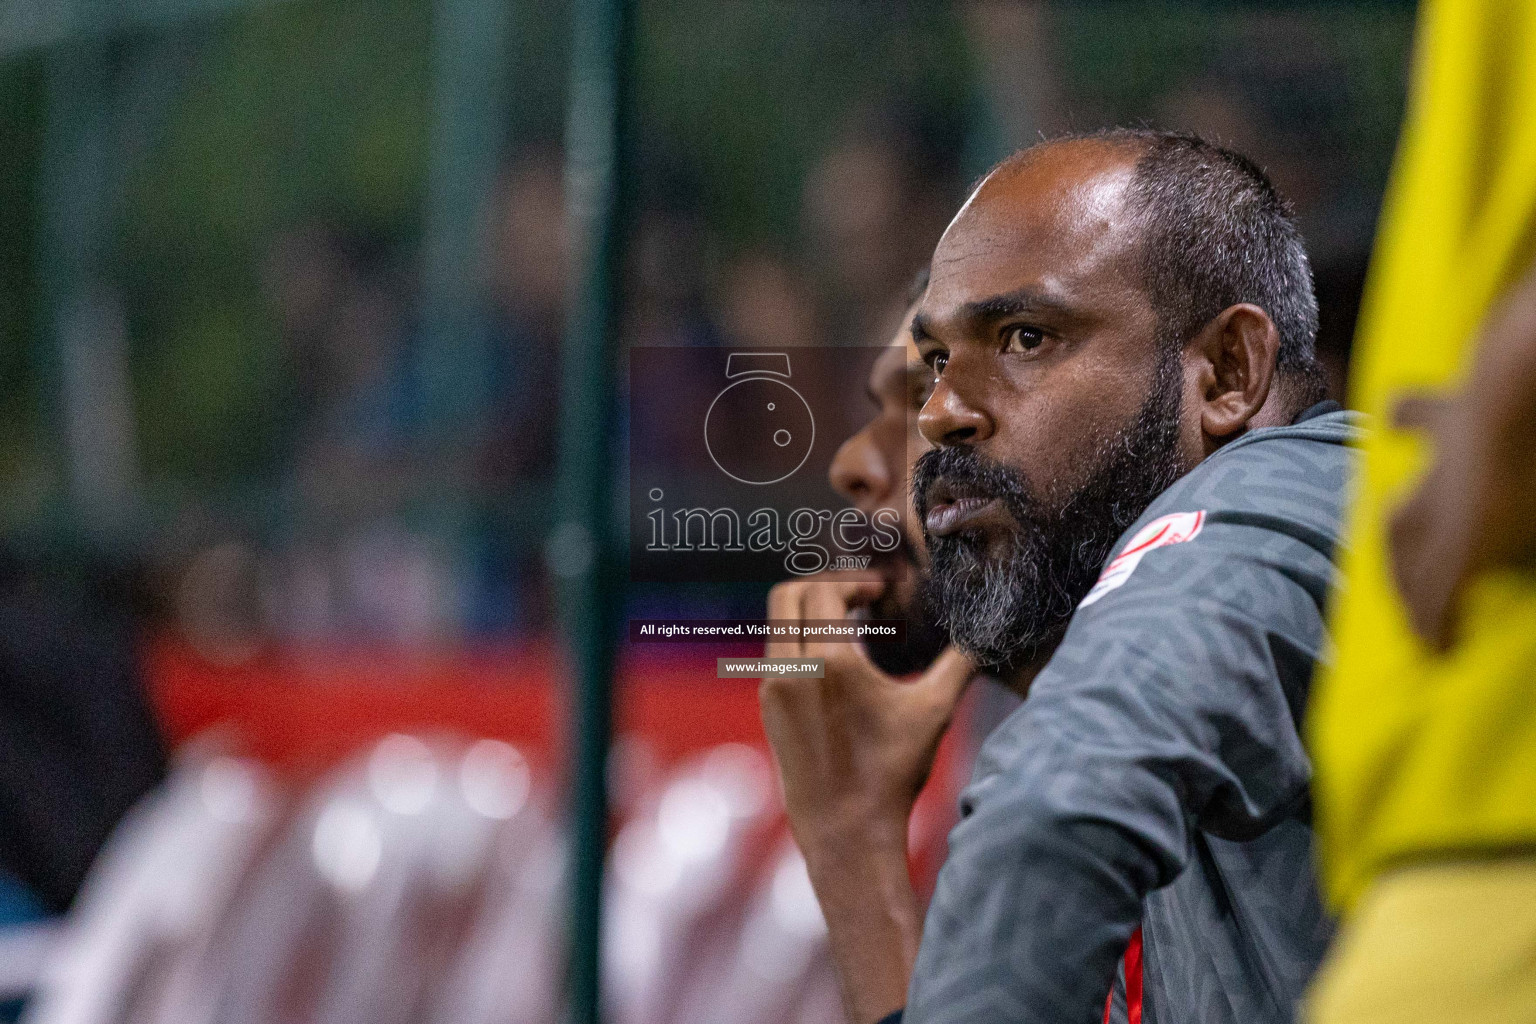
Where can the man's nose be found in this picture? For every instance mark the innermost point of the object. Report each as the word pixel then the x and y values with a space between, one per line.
pixel 860 471
pixel 948 419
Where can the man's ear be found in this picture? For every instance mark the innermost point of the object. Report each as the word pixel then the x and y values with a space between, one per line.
pixel 1234 359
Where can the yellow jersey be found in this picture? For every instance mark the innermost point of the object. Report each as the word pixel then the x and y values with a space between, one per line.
pixel 1420 756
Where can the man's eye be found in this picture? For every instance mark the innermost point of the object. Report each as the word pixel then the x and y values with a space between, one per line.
pixel 1022 339
pixel 938 360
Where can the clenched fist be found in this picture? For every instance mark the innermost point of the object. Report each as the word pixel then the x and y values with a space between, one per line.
pixel 855 747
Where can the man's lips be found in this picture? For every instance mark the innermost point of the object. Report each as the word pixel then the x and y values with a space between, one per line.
pixel 953 516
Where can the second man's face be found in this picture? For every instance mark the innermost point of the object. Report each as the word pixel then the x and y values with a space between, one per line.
pixel 873 469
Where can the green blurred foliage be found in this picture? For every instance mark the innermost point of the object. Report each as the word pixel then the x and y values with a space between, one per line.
pixel 293 110
pixel 1119 59
pixel 321 106
pixel 752 92
pixel 301 107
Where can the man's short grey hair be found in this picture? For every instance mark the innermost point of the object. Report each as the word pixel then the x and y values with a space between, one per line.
pixel 1217 232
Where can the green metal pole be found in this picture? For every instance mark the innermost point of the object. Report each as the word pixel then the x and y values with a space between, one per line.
pixel 83 357
pixel 584 549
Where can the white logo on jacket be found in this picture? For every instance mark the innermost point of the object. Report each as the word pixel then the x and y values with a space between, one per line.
pixel 1170 529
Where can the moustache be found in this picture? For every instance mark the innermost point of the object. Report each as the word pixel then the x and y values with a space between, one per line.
pixel 947 474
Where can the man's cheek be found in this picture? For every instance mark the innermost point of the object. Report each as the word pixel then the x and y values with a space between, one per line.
pixel 1051 457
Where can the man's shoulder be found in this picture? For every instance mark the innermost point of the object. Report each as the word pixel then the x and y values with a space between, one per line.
pixel 1293 479
pixel 1273 499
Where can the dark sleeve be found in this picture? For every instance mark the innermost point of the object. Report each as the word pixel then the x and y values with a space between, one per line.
pixel 1171 705
pixel 894 1018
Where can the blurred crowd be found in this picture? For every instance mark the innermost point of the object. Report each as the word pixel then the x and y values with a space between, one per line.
pixel 358 506
pixel 398 527
pixel 382 514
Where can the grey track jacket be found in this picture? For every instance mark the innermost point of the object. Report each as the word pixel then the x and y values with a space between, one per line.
pixel 1155 776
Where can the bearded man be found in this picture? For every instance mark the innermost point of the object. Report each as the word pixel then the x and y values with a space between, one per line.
pixel 1131 509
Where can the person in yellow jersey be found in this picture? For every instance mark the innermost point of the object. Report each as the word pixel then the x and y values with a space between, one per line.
pixel 1424 729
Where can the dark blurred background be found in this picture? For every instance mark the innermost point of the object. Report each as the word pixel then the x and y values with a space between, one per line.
pixel 284 282
pixel 283 285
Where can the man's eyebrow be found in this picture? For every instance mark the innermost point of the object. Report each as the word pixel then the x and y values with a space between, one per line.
pixel 1025 300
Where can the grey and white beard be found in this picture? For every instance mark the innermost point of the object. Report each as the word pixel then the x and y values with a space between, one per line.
pixel 1008 610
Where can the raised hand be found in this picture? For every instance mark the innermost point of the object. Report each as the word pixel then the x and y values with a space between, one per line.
pixel 854 749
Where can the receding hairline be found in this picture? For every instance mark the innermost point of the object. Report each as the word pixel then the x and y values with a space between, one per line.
pixel 1130 152
pixel 1105 183
pixel 1133 146
pixel 1282 280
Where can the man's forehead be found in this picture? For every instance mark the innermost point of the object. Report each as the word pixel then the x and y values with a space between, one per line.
pixel 1051 219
